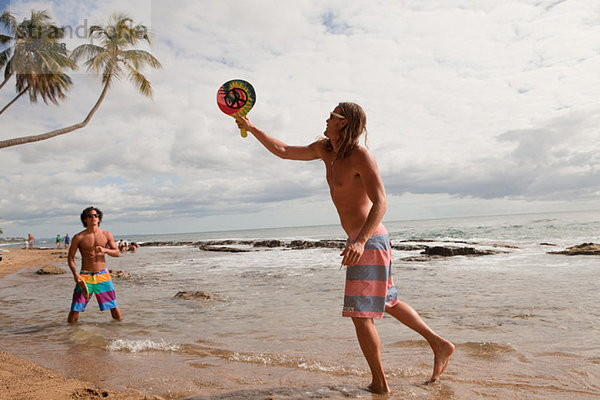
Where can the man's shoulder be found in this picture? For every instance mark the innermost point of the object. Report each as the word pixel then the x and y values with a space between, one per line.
pixel 106 234
pixel 359 154
pixel 320 146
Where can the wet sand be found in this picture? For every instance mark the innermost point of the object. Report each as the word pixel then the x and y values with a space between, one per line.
pixel 23 379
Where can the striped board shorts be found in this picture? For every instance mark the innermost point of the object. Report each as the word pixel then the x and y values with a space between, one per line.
pixel 369 284
pixel 99 283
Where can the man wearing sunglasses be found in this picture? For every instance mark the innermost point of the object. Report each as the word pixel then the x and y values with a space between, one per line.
pixel 93 244
pixel 359 196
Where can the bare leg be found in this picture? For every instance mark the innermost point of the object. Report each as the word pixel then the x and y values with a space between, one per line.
pixel 73 317
pixel 368 338
pixel 442 349
pixel 116 313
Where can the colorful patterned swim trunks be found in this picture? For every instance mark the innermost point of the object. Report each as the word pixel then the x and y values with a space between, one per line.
pixel 99 283
pixel 369 284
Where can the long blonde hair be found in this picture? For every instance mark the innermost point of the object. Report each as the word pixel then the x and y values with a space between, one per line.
pixel 350 133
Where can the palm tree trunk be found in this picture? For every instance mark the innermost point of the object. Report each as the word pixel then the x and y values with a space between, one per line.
pixel 15 99
pixel 57 132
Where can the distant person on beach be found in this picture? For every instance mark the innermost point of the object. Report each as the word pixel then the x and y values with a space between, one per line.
pixel 359 196
pixel 93 243
pixel 31 239
pixel 67 240
pixel 58 240
pixel 133 247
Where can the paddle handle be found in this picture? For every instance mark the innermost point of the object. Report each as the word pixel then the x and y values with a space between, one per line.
pixel 243 131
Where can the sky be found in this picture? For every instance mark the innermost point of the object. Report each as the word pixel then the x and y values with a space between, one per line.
pixel 473 108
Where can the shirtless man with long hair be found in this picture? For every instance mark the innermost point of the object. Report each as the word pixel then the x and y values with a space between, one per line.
pixel 359 196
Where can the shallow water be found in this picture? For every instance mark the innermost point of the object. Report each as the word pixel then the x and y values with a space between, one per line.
pixel 526 323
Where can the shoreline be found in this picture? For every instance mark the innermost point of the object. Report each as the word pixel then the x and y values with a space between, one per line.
pixel 21 378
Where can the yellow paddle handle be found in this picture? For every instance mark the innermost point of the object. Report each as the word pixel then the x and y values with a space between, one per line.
pixel 242 130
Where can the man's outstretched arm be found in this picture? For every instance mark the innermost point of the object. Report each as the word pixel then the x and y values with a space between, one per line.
pixel 277 147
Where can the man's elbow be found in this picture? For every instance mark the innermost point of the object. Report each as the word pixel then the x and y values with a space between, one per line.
pixel 283 152
pixel 381 204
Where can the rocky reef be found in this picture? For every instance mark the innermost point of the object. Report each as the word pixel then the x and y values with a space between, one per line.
pixel 586 249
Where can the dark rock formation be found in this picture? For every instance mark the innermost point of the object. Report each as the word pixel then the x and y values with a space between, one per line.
pixel 223 249
pixel 310 244
pixel 51 270
pixel 119 274
pixel 449 251
pixel 439 252
pixel 408 247
pixel 586 249
pixel 199 295
pixel 269 243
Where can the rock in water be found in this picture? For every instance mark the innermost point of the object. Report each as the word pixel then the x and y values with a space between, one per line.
pixel 51 270
pixel 199 295
pixel 586 249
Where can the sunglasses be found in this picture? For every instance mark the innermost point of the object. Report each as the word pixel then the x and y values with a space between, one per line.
pixel 334 114
pixel 93 216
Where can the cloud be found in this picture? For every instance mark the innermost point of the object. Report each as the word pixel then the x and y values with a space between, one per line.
pixel 559 159
pixel 478 101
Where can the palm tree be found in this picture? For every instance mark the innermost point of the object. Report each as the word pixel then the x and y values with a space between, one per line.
pixel 36 58
pixel 112 59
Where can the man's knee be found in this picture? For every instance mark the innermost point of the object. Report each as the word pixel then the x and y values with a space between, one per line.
pixel 361 322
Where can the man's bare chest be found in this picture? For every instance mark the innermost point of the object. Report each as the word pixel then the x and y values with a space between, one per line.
pixel 341 176
pixel 93 240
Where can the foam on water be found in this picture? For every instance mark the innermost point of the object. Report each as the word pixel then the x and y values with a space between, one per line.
pixel 297 362
pixel 135 346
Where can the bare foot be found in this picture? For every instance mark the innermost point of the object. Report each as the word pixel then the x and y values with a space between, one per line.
pixel 378 389
pixel 442 352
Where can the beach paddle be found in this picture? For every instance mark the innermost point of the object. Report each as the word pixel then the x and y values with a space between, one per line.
pixel 85 290
pixel 236 98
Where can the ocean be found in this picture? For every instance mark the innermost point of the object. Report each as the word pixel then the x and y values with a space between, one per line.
pixel 526 324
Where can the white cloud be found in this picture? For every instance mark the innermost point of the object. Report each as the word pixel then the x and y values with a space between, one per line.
pixel 479 100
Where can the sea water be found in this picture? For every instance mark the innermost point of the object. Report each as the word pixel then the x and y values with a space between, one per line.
pixel 526 323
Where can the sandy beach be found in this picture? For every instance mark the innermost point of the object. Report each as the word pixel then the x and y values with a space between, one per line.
pixel 23 379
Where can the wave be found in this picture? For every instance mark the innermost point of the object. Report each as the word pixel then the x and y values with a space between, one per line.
pixel 136 346
pixel 295 362
pixel 486 349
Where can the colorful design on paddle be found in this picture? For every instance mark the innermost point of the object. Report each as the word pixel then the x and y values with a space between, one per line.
pixel 85 290
pixel 236 98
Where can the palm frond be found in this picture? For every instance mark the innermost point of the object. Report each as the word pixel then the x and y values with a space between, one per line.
pixel 8 70
pixel 9 21
pixel 139 80
pixel 100 63
pixel 5 39
pixel 86 51
pixel 95 30
pixel 5 56
pixel 137 57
